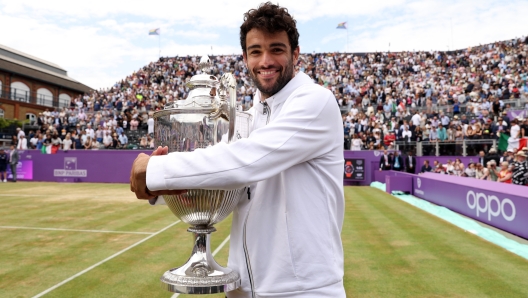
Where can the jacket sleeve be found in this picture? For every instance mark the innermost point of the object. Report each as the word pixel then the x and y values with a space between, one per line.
pixel 307 126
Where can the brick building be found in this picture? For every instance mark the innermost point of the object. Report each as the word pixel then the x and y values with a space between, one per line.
pixel 29 85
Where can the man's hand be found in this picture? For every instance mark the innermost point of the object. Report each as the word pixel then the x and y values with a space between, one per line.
pixel 138 177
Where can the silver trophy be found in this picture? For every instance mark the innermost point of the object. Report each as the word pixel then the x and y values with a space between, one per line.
pixel 207 117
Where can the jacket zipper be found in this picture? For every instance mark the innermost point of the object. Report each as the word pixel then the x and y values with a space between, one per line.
pixel 246 253
pixel 266 111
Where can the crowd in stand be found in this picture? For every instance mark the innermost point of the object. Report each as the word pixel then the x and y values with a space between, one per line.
pixel 510 168
pixel 431 96
pixel 385 97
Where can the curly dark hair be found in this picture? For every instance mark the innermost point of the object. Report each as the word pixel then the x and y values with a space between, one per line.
pixel 271 18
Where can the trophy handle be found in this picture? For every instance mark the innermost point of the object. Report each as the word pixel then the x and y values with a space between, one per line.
pixel 228 85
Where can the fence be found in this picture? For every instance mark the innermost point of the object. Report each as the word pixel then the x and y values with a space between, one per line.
pixel 33 97
pixel 514 104
pixel 450 148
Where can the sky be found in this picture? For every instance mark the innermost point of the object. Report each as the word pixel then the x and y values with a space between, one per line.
pixel 101 42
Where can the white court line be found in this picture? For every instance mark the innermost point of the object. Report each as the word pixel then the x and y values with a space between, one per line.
pixel 214 254
pixel 74 230
pixel 17 195
pixel 103 261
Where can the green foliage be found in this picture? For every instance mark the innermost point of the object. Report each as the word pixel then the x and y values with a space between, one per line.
pixel 5 123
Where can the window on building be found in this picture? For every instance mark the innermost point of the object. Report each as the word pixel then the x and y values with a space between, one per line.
pixel 44 97
pixel 2 92
pixel 32 118
pixel 1 113
pixel 20 92
pixel 64 100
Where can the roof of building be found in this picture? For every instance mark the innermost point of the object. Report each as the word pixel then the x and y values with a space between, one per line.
pixel 24 64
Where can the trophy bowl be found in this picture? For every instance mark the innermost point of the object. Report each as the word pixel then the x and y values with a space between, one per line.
pixel 207 117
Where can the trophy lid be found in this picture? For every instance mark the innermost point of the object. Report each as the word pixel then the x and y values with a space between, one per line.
pixel 204 79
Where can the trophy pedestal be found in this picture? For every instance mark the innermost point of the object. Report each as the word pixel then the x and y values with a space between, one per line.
pixel 201 274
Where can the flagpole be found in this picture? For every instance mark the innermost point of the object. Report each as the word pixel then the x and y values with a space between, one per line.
pixel 347 35
pixel 347 40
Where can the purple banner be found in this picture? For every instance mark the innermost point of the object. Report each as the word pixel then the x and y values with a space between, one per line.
pixel 501 205
pixel 109 166
pixel 24 170
pixel 517 114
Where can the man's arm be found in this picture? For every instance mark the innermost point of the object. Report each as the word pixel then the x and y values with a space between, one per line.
pixel 300 132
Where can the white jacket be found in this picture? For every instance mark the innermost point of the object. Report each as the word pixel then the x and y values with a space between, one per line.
pixel 294 155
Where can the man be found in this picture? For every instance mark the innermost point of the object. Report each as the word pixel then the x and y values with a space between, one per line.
pixel 13 161
pixel 3 165
pixel 441 132
pixel 397 162
pixel 520 170
pixel 89 131
pixel 493 156
pixel 426 167
pixel 297 144
pixel 410 163
pixel 482 158
pixel 385 161
pixel 123 140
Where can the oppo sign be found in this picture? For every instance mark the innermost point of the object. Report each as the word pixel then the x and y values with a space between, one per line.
pixel 490 204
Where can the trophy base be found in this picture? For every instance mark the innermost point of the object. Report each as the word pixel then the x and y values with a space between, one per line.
pixel 201 274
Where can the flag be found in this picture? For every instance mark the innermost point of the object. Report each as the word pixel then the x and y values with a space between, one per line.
pixel 342 25
pixel 154 31
pixel 506 143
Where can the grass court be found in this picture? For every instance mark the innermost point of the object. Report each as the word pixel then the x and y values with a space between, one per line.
pixel 97 240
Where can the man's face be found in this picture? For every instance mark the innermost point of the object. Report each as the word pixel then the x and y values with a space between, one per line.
pixel 270 60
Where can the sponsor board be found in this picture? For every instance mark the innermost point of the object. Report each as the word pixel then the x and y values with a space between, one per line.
pixel 504 206
pixel 70 169
pixel 354 169
pixel 24 170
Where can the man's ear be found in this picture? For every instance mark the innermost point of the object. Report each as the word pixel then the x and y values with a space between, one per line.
pixel 296 55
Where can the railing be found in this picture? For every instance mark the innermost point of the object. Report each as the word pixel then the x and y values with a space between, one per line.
pixel 515 104
pixel 442 148
pixel 32 97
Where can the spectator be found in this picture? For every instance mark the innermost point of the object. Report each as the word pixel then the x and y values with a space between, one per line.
pixel 426 167
pixel 134 124
pixel 56 143
pixel 470 170
pixel 356 143
pixel 107 140
pixel 22 143
pixel 89 131
pixel 505 173
pixel 33 141
pixel 123 140
pixel 520 171
pixel 481 172
pixel 4 159
pixel 13 162
pixel 150 123
pixel 385 161
pixel 410 163
pixel 397 162
pixel 67 143
pixel 493 172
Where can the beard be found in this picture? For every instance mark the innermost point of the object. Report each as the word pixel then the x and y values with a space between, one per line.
pixel 285 75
